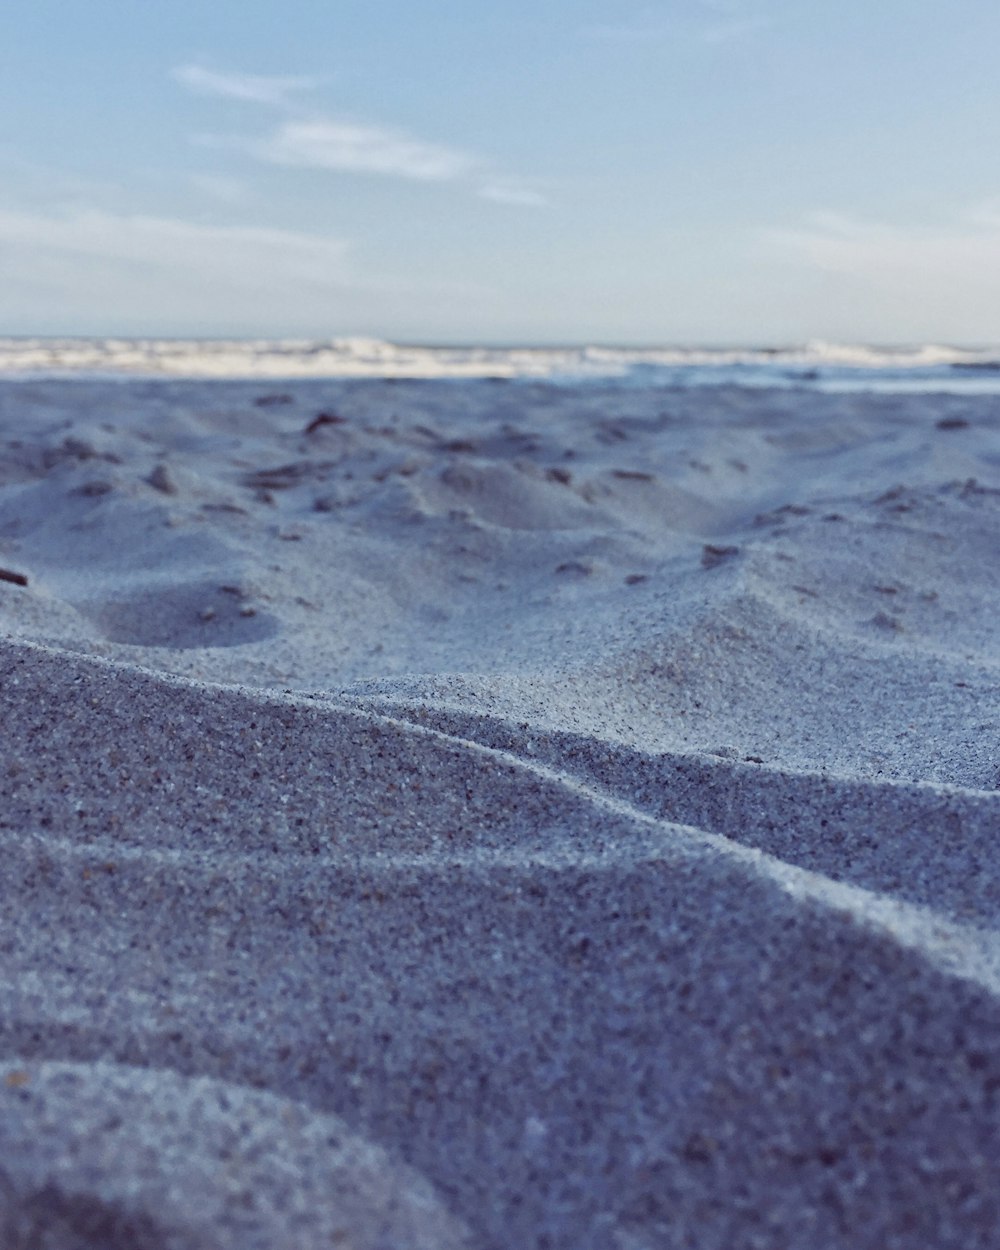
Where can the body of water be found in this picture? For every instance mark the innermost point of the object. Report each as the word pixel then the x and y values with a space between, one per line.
pixel 828 366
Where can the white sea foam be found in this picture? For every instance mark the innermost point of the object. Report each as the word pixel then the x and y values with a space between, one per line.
pixel 828 365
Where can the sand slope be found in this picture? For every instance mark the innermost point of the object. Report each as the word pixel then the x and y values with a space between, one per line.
pixel 482 814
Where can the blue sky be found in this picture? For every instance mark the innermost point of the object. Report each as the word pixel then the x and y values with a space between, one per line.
pixel 696 171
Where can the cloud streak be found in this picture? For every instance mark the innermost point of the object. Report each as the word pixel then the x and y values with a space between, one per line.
pixel 915 276
pixel 95 271
pixel 512 193
pixel 247 88
pixel 325 143
pixel 344 145
pixel 969 248
pixel 249 253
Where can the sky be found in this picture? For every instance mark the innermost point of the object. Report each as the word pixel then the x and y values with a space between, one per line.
pixel 709 172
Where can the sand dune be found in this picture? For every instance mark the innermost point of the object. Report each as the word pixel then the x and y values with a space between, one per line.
pixel 498 814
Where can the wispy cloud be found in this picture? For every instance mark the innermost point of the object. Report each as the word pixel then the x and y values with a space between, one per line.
pixel 967 247
pixel 249 88
pixel 325 143
pixel 313 140
pixel 93 271
pixel 912 275
pixel 249 255
pixel 512 193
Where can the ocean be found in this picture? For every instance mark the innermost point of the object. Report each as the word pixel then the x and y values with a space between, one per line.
pixel 817 365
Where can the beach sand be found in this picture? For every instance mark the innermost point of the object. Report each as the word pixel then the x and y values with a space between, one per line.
pixel 498 815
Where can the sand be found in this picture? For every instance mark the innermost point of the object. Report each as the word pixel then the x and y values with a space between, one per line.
pixel 498 814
